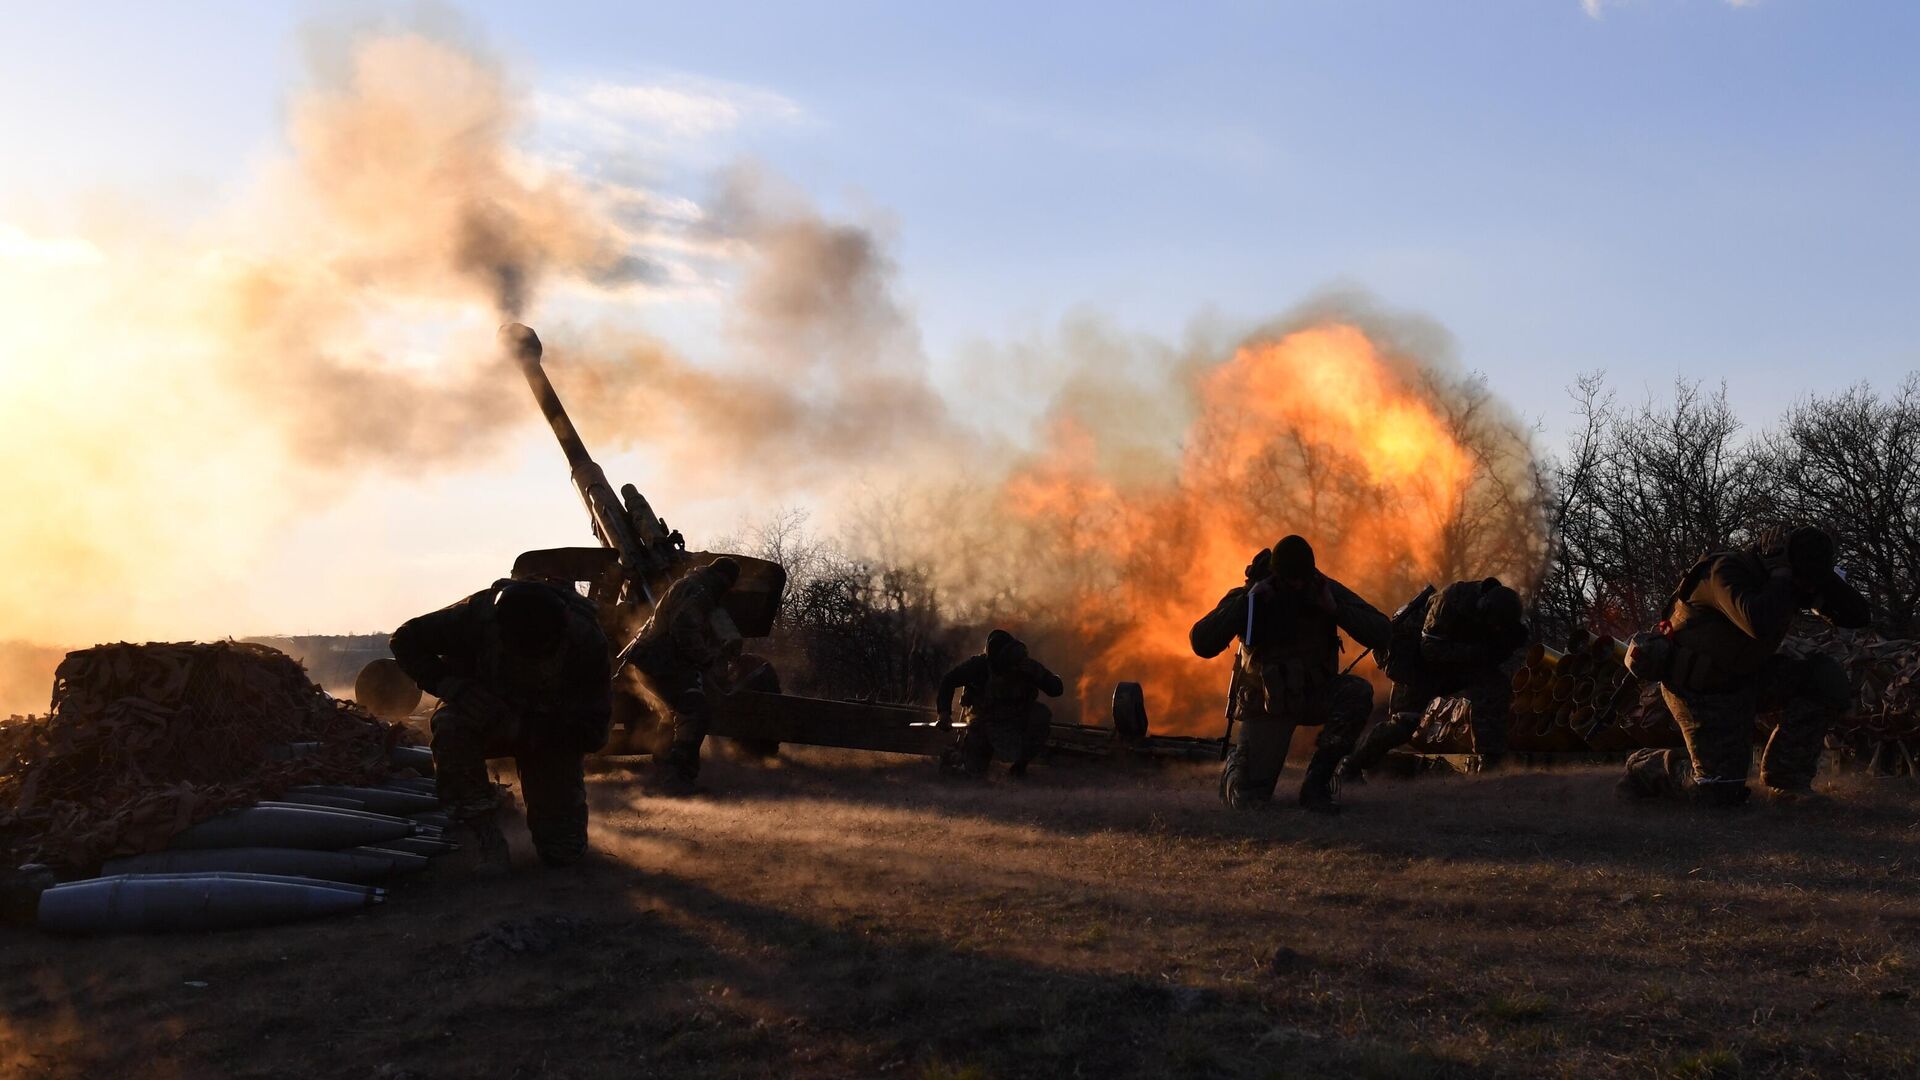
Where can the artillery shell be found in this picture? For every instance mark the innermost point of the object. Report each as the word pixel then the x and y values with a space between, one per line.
pixel 143 903
pixel 342 866
pixel 401 862
pixel 417 758
pixel 420 845
pixel 422 785
pixel 378 800
pixel 390 819
pixel 291 826
pixel 331 802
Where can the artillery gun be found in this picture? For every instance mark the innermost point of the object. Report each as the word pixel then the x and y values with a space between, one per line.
pixel 639 557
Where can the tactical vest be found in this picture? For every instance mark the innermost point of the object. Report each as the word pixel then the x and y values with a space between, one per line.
pixel 1294 652
pixel 1710 653
pixel 528 685
pixel 1003 697
pixel 1403 654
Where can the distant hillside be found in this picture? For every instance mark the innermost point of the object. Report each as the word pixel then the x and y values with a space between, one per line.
pixel 26 676
pixel 332 660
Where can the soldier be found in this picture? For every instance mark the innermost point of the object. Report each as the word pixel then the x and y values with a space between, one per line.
pixel 1002 694
pixel 522 670
pixel 677 650
pixel 1451 645
pixel 1288 616
pixel 1722 666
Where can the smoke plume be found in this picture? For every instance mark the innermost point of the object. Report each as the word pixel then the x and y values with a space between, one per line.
pixel 173 403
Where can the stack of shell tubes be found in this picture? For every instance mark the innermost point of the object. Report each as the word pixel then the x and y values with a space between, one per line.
pixel 1582 698
pixel 1575 699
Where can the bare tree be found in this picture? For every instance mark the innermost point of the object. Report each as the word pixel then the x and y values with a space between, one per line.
pixel 1644 494
pixel 1851 463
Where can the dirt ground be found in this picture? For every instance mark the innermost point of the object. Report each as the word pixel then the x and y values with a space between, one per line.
pixel 850 916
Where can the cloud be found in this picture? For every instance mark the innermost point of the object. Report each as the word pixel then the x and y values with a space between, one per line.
pixel 1595 8
pixel 16 245
pixel 675 110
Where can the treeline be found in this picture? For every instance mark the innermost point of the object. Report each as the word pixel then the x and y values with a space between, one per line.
pixel 849 629
pixel 1634 497
pixel 1641 491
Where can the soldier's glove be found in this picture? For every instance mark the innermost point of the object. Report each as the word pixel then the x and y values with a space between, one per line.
pixel 946 720
pixel 1260 567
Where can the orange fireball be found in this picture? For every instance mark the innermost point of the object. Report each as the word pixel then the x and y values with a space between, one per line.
pixel 1395 472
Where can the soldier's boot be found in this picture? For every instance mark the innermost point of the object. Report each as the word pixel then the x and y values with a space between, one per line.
pixel 1374 746
pixel 1018 770
pixel 492 858
pixel 1317 791
pixel 1721 793
pixel 1651 774
pixel 676 771
pixel 1795 796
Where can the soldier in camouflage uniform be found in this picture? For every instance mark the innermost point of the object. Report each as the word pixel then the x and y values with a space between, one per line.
pixel 1002 688
pixel 678 652
pixel 1288 617
pixel 1724 627
pixel 522 670
pixel 1454 644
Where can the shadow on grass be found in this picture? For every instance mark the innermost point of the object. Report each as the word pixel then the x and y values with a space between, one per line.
pixel 1570 816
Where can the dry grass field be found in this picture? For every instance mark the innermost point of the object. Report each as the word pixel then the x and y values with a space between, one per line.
pixel 849 916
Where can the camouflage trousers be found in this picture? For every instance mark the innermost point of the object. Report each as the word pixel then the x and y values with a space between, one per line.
pixel 684 690
pixel 1015 737
pixel 1338 707
pixel 553 783
pixel 1803 693
pixel 1487 691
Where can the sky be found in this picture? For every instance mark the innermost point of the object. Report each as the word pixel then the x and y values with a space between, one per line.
pixel 1659 189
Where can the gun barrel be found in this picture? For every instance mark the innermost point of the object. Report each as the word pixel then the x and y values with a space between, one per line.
pixel 612 522
pixel 525 348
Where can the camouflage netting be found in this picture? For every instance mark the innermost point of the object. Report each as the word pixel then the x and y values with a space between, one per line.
pixel 1884 713
pixel 144 740
pixel 1885 674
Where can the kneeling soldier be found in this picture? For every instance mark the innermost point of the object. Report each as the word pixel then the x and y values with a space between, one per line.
pixel 1002 694
pixel 1288 621
pixel 1722 667
pixel 522 670
pixel 1451 645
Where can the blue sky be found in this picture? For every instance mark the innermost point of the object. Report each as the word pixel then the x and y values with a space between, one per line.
pixel 1669 187
pixel 1658 188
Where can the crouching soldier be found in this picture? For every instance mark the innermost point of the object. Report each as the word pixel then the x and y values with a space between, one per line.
pixel 522 670
pixel 1718 661
pixel 1454 644
pixel 1002 688
pixel 1288 617
pixel 679 651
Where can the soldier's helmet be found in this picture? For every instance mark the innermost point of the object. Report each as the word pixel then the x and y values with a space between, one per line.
pixel 726 571
pixel 532 618
pixel 1292 559
pixel 1499 605
pixel 1010 655
pixel 995 639
pixel 1810 552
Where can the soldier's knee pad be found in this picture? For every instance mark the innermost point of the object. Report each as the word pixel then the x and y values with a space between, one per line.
pixel 1230 777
